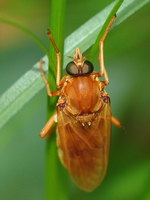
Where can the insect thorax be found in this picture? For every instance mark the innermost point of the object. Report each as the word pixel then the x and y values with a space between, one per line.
pixel 82 97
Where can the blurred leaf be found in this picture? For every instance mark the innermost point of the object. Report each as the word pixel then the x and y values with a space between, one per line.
pixel 27 31
pixel 95 47
pixel 30 83
pixel 130 183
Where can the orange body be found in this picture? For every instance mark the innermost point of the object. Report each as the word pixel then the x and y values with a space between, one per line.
pixel 84 117
pixel 84 126
pixel 82 95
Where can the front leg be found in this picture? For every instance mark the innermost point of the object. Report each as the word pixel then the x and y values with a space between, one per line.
pixel 49 92
pixel 103 71
pixel 58 56
pixel 116 122
pixel 48 128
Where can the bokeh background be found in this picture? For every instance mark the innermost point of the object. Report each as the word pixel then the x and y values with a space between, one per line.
pixel 127 50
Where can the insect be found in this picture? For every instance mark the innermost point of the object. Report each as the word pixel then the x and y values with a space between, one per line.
pixel 84 117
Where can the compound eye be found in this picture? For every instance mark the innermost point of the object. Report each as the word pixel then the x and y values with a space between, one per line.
pixel 72 68
pixel 87 67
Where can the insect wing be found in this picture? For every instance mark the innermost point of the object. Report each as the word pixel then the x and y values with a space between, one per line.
pixel 84 150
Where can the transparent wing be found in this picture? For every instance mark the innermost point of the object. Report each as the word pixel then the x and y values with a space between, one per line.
pixel 84 150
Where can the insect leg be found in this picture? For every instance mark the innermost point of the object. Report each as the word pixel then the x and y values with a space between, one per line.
pixel 116 122
pixel 56 93
pixel 48 128
pixel 103 71
pixel 58 55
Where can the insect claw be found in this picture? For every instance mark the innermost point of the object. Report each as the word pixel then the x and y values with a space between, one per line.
pixel 106 82
pixel 67 80
pixel 41 61
pixel 89 123
pixel 83 124
pixel 48 32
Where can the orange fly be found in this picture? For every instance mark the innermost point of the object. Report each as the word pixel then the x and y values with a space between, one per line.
pixel 84 117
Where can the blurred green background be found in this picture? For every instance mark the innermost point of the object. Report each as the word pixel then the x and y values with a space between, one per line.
pixel 22 152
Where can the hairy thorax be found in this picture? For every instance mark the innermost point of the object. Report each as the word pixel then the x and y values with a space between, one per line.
pixel 81 97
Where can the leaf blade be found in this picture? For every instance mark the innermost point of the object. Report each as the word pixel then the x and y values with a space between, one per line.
pixel 8 104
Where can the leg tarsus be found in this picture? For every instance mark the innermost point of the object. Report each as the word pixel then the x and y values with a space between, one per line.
pixel 58 56
pixel 101 55
pixel 115 121
pixel 49 93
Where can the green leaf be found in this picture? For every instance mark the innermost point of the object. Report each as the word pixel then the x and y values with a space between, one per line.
pixel 30 83
pixel 95 47
pixel 130 183
pixel 26 31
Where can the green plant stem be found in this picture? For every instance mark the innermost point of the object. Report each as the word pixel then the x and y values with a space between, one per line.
pixel 28 32
pixel 56 178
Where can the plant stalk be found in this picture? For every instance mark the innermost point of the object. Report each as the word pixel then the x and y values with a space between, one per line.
pixel 56 178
